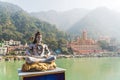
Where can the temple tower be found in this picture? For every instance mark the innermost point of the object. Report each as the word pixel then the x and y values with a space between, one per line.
pixel 84 35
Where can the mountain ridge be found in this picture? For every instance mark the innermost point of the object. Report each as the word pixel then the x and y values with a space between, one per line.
pixel 63 20
pixel 100 20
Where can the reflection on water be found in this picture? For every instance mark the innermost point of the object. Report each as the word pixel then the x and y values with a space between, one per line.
pixel 8 70
pixel 76 69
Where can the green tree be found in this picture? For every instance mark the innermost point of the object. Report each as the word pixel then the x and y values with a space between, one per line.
pixel 103 44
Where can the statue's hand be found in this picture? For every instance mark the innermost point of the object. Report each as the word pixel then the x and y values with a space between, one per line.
pixel 46 56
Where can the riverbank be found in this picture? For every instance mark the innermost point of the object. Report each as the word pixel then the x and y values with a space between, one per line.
pixel 108 54
pixel 12 58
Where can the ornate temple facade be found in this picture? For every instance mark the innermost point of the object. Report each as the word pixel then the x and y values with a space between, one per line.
pixel 84 45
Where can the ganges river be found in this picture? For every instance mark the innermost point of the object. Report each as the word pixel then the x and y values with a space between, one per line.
pixel 76 68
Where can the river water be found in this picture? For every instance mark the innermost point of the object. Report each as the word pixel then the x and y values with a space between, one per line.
pixel 76 68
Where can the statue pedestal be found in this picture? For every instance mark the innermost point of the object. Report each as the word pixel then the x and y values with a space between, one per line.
pixel 56 74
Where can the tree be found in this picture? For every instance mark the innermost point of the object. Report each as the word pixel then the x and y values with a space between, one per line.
pixel 103 44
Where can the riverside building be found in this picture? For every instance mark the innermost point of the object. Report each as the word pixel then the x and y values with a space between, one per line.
pixel 84 45
pixel 12 46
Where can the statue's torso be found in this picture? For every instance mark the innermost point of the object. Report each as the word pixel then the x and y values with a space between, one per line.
pixel 38 49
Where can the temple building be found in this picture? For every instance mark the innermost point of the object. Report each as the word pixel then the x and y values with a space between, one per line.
pixel 84 45
pixel 105 38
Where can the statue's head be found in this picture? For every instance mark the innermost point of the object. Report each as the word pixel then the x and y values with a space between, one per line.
pixel 38 37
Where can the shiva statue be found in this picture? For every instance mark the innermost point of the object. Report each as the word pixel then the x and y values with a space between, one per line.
pixel 38 53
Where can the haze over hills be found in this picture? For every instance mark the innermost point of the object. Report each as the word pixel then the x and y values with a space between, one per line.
pixel 17 24
pixel 101 21
pixel 63 20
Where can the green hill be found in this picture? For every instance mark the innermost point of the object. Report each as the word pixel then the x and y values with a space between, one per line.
pixel 17 24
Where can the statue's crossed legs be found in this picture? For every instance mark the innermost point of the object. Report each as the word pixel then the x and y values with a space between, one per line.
pixel 42 60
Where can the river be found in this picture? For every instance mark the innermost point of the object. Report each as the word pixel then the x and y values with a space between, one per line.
pixel 76 68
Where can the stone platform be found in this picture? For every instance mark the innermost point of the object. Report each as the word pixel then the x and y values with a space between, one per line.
pixel 56 74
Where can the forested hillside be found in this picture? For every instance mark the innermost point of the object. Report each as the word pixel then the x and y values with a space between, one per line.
pixel 17 24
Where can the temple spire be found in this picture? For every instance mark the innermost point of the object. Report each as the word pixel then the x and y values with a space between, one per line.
pixel 84 35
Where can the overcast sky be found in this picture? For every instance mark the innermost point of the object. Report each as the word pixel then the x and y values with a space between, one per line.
pixel 63 5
